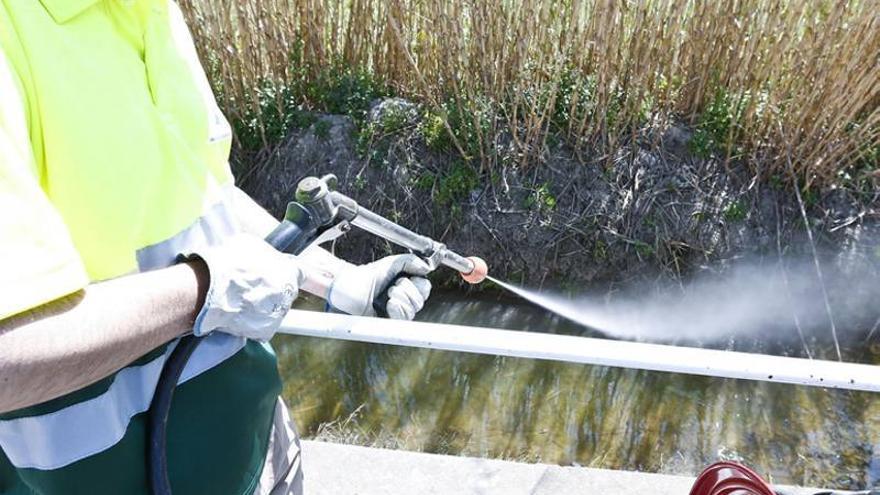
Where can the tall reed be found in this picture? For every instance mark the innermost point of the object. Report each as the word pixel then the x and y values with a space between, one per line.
pixel 766 80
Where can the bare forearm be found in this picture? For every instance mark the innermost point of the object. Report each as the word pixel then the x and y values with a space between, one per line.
pixel 76 341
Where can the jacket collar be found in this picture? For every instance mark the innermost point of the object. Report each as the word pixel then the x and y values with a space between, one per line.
pixel 65 10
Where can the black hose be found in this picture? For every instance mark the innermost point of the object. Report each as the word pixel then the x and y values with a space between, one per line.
pixel 160 409
pixel 293 234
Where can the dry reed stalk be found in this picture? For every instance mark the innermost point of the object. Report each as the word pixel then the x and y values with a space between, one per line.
pixel 809 67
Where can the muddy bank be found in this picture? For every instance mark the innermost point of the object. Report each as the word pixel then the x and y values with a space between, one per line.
pixel 651 212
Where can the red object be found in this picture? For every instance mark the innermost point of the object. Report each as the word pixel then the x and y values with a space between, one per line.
pixel 730 478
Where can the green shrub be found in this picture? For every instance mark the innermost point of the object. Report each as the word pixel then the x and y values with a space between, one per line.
pixel 735 212
pixel 280 108
pixel 541 199
pixel 716 126
pixel 455 186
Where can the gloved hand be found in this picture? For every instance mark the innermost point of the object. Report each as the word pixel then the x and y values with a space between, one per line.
pixel 354 290
pixel 251 289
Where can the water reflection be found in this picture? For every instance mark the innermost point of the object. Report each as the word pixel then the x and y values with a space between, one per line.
pixel 585 415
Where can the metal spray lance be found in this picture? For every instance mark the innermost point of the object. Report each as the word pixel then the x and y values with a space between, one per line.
pixel 326 214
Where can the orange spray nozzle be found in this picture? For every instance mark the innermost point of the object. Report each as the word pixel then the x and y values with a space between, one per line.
pixel 479 272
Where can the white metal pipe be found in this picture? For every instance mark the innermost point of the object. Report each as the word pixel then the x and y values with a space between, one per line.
pixel 602 352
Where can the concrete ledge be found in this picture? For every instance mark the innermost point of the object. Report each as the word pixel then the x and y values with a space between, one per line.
pixel 337 469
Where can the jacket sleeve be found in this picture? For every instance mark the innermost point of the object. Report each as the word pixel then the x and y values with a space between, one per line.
pixel 38 261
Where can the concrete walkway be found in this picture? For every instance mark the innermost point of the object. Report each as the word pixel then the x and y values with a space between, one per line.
pixel 336 469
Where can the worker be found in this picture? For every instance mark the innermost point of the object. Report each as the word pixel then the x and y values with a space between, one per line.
pixel 121 231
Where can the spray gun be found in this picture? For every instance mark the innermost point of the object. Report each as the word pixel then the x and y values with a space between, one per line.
pixel 320 214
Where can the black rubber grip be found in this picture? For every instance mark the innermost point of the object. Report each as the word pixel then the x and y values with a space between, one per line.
pixel 380 303
pixel 295 231
pixel 287 236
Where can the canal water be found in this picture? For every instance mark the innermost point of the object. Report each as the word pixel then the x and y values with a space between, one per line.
pixel 595 416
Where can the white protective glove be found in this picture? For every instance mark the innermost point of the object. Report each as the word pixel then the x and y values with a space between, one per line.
pixel 402 276
pixel 251 289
